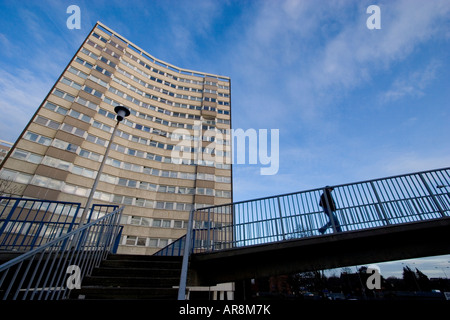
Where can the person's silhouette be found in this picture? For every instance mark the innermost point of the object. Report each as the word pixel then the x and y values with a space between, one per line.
pixel 329 206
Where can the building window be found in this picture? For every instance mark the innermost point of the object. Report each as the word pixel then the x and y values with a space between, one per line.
pixel 94 92
pixel 47 182
pixel 89 53
pixel 56 108
pixel 56 163
pixel 64 95
pixel 84 63
pixel 180 224
pixel 27 156
pixel 15 176
pixel 89 155
pixel 64 145
pixel 71 83
pixel 77 72
pixel 47 122
pixel 37 138
pixel 140 221
pixel 135 241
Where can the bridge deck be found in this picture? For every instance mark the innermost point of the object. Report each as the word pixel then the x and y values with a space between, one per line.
pixel 415 239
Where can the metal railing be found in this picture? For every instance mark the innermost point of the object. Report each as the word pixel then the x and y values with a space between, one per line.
pixel 29 223
pixel 175 249
pixel 52 270
pixel 361 205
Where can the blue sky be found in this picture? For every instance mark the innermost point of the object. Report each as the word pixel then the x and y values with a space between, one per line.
pixel 350 103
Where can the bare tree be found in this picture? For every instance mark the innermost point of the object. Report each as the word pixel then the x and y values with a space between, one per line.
pixel 8 188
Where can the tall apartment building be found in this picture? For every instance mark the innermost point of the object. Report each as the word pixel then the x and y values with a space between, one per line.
pixel 170 155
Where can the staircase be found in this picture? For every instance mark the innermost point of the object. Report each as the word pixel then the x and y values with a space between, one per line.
pixel 132 277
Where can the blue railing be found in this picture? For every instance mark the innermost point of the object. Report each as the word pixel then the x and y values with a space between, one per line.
pixel 368 204
pixel 29 223
pixel 362 205
pixel 52 270
pixel 175 249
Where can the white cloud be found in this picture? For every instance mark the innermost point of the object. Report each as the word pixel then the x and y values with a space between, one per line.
pixel 357 52
pixel 412 161
pixel 412 84
pixel 6 45
pixel 303 58
pixel 21 93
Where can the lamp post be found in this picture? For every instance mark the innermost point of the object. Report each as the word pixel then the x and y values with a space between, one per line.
pixel 122 112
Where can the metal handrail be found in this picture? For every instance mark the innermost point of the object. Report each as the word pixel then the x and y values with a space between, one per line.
pixel 28 223
pixel 361 205
pixel 42 273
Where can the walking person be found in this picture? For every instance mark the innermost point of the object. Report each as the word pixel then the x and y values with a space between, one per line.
pixel 329 207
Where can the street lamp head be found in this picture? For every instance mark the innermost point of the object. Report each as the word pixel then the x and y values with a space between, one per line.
pixel 122 112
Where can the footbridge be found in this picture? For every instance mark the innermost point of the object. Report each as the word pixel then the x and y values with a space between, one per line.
pixel 385 219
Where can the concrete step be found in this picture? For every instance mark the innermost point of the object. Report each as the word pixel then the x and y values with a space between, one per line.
pixel 125 293
pixel 136 272
pixel 5 256
pixel 134 282
pixel 136 257
pixel 132 277
pixel 146 262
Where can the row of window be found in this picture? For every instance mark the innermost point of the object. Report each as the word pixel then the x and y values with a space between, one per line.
pixel 46 182
pixel 75 114
pixel 43 182
pixel 160 90
pixel 64 165
pixel 153 222
pixel 169 93
pixel 163 188
pixel 185 80
pixel 111 115
pixel 64 145
pixel 119 148
pixel 62 186
pixel 143 104
pixel 145 242
pixel 151 87
pixel 138 60
pixel 161 243
pixel 175 136
pixel 67 166
pixel 156 172
pixel 141 202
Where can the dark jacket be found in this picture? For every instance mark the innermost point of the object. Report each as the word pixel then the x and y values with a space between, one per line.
pixel 323 202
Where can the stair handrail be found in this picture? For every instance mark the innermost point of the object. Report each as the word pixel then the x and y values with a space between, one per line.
pixel 185 263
